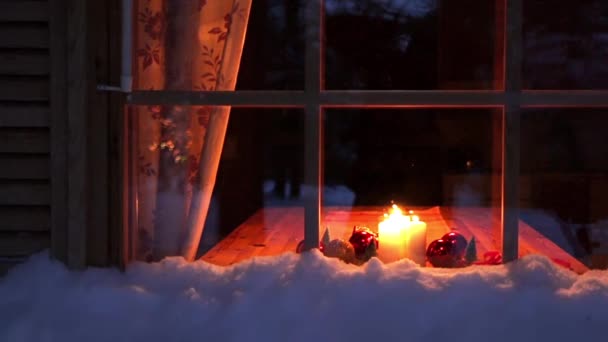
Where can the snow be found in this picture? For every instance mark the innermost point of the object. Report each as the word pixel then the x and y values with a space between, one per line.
pixel 302 298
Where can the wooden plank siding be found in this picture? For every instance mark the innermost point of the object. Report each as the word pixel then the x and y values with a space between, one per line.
pixel 25 187
pixel 24 11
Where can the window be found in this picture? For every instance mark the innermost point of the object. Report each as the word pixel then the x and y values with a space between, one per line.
pixel 341 107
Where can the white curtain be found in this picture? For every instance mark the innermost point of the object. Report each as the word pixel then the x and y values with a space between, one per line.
pixel 181 45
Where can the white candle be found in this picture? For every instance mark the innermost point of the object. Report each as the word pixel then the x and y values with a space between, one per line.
pixel 415 241
pixel 401 236
pixel 390 241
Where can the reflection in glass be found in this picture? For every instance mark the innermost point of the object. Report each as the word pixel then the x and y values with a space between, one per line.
pixel 250 204
pixel 424 44
pixel 444 164
pixel 564 181
pixel 273 55
pixel 566 47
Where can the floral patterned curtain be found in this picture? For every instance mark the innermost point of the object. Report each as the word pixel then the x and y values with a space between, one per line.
pixel 181 45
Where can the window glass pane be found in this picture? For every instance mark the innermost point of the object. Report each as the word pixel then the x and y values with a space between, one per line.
pixel 423 44
pixel 201 45
pixel 273 57
pixel 566 47
pixel 564 185
pixel 445 164
pixel 255 208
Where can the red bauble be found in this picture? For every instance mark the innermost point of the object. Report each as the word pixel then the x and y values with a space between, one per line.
pixel 440 253
pixel 459 243
pixel 361 238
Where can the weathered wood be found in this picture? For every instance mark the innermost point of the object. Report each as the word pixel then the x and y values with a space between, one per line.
pixel 24 11
pixel 29 36
pixel 24 88
pixel 24 140
pixel 285 237
pixel 23 244
pixel 24 63
pixel 24 115
pixel 480 221
pixel 273 231
pixel 532 242
pixel 78 90
pixel 508 237
pixel 460 220
pixel 118 175
pixel 16 166
pixel 223 253
pixel 58 127
pixel 313 123
pixel 97 234
pixel 25 193
pixel 24 218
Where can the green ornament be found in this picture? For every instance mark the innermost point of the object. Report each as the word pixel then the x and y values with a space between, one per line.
pixel 325 239
pixel 471 251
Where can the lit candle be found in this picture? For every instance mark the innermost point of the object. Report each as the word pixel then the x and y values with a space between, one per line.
pixel 390 237
pixel 415 241
pixel 401 236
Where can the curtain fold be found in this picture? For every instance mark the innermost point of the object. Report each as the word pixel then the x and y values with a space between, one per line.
pixel 182 45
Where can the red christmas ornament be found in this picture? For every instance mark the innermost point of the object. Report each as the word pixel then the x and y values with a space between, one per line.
pixel 490 258
pixel 459 243
pixel 440 253
pixel 361 238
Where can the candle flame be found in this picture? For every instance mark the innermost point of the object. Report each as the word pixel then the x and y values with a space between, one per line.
pixel 395 219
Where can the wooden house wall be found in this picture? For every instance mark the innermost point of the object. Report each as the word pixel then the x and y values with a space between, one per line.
pixel 25 87
pixel 59 136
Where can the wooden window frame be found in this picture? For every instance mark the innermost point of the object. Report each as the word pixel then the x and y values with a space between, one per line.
pixel 314 99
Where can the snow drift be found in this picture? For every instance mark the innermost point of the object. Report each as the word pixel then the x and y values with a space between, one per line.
pixel 302 298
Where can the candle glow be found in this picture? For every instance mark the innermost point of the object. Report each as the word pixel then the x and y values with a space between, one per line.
pixel 401 236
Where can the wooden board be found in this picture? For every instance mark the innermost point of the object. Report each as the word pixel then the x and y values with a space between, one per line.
pixel 24 140
pixel 31 36
pixel 29 63
pixel 23 244
pixel 30 88
pixel 24 166
pixel 481 223
pixel 24 11
pixel 24 218
pixel 57 120
pixel 24 115
pixel 273 231
pixel 25 193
